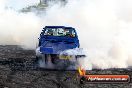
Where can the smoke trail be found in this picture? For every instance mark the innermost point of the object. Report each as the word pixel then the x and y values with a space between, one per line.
pixel 104 28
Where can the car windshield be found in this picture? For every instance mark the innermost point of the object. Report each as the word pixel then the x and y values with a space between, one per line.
pixel 59 32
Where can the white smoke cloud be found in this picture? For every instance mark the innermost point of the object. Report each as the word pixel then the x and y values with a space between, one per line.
pixel 18 28
pixel 104 28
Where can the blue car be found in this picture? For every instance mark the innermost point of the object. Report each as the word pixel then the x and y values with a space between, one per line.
pixel 55 39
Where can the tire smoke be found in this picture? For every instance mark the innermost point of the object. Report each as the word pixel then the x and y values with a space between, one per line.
pixel 104 28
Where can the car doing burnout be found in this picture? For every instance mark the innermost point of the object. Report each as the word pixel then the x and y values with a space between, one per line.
pixel 55 39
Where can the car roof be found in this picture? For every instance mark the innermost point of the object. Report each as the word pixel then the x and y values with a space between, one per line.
pixel 58 27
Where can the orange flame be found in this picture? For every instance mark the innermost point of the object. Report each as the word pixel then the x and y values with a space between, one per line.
pixel 82 72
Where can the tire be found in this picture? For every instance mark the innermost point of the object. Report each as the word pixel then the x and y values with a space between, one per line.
pixel 44 58
pixel 54 58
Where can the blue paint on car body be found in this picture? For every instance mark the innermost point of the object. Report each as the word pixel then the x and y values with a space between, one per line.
pixel 55 39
